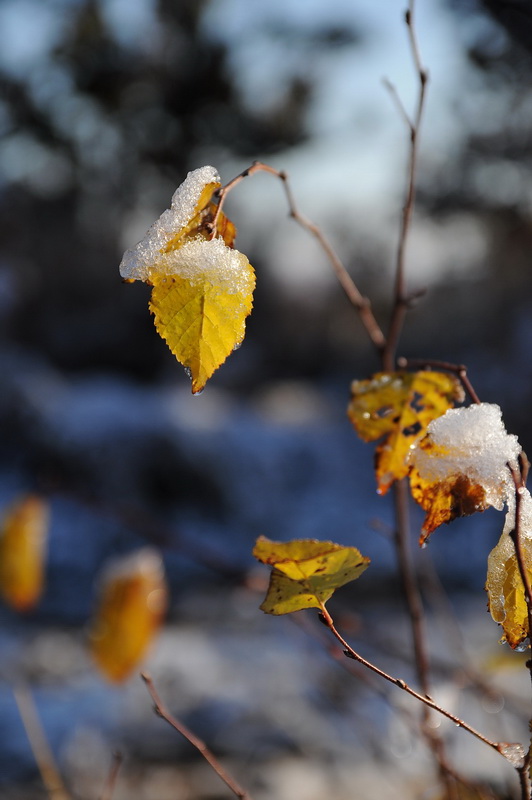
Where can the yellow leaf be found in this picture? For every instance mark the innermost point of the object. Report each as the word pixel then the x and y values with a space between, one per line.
pixel 506 594
pixel 399 406
pixel 132 602
pixel 202 287
pixel 22 552
pixel 306 572
pixel 202 316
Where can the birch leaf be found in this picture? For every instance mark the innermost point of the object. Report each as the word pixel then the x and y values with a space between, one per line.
pixel 200 310
pixel 399 406
pixel 202 287
pixel 23 539
pixel 131 605
pixel 306 572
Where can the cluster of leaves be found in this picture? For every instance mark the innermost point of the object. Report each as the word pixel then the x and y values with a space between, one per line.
pixel 457 460
pixel 132 592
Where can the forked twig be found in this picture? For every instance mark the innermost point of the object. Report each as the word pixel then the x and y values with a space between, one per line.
pixel 361 303
pixel 41 750
pixel 161 710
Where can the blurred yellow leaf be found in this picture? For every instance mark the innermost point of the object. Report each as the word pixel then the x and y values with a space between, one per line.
pixel 399 406
pixel 306 572
pixel 202 287
pixel 202 317
pixel 506 594
pixel 131 605
pixel 23 539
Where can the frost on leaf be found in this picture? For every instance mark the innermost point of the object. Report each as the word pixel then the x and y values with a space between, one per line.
pixel 506 594
pixel 399 406
pixel 202 287
pixel 131 604
pixel 461 466
pixel 306 572
pixel 23 537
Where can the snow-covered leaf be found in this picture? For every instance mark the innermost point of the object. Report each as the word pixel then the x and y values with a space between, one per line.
pixel 461 466
pixel 399 406
pixel 202 287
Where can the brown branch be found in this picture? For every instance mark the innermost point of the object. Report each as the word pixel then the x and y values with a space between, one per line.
pixel 416 614
pixel 200 746
pixel 401 300
pixel 507 750
pixel 459 369
pixel 360 303
pixel 110 782
pixel 40 748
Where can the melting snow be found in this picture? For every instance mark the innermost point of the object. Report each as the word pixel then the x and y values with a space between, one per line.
pixel 472 441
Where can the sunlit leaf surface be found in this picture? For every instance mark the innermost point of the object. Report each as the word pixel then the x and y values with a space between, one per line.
pixel 202 287
pixel 23 538
pixel 399 406
pixel 306 572
pixel 202 316
pixel 131 605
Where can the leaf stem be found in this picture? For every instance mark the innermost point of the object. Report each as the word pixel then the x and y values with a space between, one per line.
pixel 200 746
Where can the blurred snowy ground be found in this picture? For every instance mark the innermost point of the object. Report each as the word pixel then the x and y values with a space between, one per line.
pixel 202 477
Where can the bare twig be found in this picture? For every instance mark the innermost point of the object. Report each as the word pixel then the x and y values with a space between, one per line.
pixel 361 303
pixel 41 750
pixel 459 369
pixel 500 747
pixel 110 782
pixel 200 746
pixel 401 300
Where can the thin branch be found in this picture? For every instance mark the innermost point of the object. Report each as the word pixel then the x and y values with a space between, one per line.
pixel 418 627
pixel 360 303
pixel 200 746
pixel 398 103
pixel 41 750
pixel 503 748
pixel 459 369
pixel 110 782
pixel 401 301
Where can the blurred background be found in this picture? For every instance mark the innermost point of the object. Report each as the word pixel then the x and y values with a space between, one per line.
pixel 105 107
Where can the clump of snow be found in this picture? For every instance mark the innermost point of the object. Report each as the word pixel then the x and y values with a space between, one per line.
pixel 473 442
pixel 208 260
pixel 138 263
